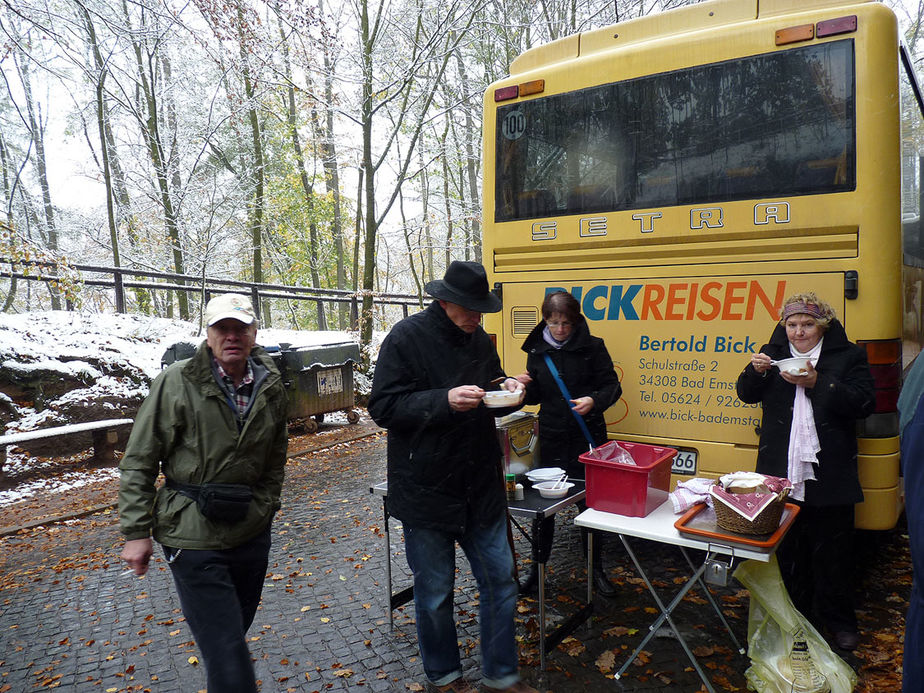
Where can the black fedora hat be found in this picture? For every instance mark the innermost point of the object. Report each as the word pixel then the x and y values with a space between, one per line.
pixel 466 284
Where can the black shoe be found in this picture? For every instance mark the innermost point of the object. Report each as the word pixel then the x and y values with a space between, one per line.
pixel 602 583
pixel 847 639
pixel 531 584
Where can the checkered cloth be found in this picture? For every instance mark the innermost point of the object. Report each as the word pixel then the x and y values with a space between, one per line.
pixel 689 493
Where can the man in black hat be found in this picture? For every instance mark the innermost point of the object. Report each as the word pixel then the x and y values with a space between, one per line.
pixel 445 480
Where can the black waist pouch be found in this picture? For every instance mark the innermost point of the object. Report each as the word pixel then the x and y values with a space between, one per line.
pixel 227 503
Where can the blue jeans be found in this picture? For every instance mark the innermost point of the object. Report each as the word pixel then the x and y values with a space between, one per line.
pixel 431 555
pixel 219 593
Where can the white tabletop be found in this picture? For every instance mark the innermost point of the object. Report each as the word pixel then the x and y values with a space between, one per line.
pixel 659 526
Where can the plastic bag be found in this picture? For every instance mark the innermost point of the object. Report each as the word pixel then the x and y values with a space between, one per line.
pixel 613 452
pixel 787 654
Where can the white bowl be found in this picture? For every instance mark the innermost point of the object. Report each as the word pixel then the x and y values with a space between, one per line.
pixel 546 488
pixel 502 398
pixel 793 366
pixel 544 474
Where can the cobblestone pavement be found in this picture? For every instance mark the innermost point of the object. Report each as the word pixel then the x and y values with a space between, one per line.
pixel 70 619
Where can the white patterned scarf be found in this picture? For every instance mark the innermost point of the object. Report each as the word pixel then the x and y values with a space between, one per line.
pixel 803 438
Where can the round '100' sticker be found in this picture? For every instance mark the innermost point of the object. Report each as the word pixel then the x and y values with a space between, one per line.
pixel 513 125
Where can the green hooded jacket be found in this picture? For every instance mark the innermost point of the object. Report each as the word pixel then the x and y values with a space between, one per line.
pixel 186 429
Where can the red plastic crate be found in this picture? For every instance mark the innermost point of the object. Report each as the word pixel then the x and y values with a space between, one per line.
pixel 625 489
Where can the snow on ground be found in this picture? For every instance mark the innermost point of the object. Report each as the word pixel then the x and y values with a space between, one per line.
pixel 71 342
pixel 32 340
pixel 62 483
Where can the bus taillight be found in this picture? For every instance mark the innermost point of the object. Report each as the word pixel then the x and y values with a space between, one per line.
pixel 506 93
pixel 885 364
pixel 834 27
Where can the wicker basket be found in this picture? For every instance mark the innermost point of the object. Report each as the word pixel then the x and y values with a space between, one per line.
pixel 767 522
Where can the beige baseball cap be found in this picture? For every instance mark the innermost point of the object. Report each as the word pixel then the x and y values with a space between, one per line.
pixel 229 306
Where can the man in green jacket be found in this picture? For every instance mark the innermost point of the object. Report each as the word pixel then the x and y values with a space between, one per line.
pixel 215 425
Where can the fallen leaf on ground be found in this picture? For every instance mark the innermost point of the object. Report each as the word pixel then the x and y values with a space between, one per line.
pixel 605 662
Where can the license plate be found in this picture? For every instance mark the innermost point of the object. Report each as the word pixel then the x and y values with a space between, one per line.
pixel 684 463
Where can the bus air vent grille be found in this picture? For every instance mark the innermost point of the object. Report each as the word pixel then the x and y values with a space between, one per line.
pixel 523 319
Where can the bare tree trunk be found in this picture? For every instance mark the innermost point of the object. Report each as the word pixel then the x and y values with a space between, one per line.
pixel 38 137
pixel 124 217
pixel 256 207
pixel 118 193
pixel 101 72
pixel 365 318
pixel 472 162
pixel 8 195
pixel 356 244
pixel 425 214
pixel 410 249
pixel 152 137
pixel 332 175
pixel 446 198
pixel 307 184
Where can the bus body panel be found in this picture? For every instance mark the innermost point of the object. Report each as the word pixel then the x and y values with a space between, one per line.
pixel 682 293
pixel 677 345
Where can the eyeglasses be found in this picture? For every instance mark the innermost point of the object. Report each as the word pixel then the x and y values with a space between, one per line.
pixel 559 324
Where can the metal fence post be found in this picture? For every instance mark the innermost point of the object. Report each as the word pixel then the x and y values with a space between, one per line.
pixel 255 299
pixel 119 290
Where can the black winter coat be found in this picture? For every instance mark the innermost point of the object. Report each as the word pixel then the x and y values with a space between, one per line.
pixel 585 366
pixel 842 394
pixel 444 466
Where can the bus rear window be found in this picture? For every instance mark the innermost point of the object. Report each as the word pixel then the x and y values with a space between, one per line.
pixel 772 125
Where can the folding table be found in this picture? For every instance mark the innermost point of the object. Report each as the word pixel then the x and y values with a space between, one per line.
pixel 533 507
pixel 536 508
pixel 659 526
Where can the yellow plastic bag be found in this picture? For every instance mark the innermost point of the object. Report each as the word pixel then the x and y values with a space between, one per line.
pixel 787 654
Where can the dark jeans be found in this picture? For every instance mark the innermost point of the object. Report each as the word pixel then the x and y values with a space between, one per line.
pixel 816 562
pixel 431 555
pixel 219 592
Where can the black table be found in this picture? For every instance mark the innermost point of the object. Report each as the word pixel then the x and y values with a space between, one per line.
pixel 533 507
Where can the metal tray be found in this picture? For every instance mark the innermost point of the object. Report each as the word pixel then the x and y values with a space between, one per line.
pixel 692 522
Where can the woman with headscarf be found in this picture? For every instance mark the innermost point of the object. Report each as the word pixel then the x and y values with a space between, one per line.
pixel 808 435
pixel 586 369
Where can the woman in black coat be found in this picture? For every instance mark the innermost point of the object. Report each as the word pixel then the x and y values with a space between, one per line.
pixel 585 366
pixel 808 435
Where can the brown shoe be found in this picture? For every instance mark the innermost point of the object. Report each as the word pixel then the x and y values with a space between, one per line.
pixel 518 687
pixel 460 685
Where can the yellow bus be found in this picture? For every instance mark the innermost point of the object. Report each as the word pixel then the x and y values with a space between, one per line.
pixel 681 174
